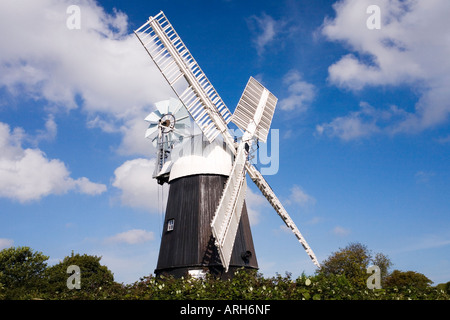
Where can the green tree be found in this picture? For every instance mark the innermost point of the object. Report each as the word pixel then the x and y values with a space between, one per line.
pixel 352 262
pixel 22 272
pixel 97 281
pixel 404 279
pixel 444 287
pixel 384 263
pixel 2 292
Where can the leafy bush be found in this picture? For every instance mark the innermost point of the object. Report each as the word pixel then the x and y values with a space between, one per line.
pixel 250 285
pixel 407 279
pixel 2 291
pixel 22 272
pixel 353 261
pixel 97 281
pixel 25 275
pixel 445 287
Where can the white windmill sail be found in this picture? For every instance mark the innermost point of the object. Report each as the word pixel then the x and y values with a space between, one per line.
pixel 228 213
pixel 184 75
pixel 254 114
pixel 255 110
pixel 255 104
pixel 267 191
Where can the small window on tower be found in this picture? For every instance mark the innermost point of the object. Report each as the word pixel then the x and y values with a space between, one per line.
pixel 170 224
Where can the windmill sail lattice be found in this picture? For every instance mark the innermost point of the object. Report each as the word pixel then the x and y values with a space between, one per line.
pixel 228 213
pixel 255 108
pixel 184 75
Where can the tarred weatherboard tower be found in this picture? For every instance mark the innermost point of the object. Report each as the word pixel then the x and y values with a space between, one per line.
pixel 187 243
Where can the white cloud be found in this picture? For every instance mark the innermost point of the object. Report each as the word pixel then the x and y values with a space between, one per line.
pixel 300 197
pixel 424 177
pixel 266 29
pixel 315 220
pixel 49 133
pixel 5 243
pixel 426 241
pixel 285 229
pixel 100 67
pixel 357 124
pixel 134 236
pixel 341 231
pixel 129 263
pixel 364 123
pixel 133 141
pixel 84 185
pixel 27 174
pixel 255 203
pixel 300 93
pixel 411 48
pixel 138 189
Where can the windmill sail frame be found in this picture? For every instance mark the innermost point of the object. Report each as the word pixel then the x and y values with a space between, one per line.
pixel 255 109
pixel 184 75
pixel 228 213
pixel 267 191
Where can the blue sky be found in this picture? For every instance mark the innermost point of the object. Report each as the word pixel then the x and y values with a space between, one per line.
pixel 363 120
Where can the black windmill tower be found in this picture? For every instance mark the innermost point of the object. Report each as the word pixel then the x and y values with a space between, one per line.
pixel 206 226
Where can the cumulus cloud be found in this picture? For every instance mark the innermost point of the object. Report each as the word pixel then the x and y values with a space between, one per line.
pixel 411 48
pixel 5 243
pixel 133 141
pixel 265 28
pixel 27 174
pixel 341 231
pixel 300 93
pixel 300 197
pixel 100 67
pixel 362 123
pixel 134 236
pixel 255 202
pixel 137 187
pixel 49 134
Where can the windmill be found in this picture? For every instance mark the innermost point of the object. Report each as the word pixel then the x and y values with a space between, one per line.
pixel 206 221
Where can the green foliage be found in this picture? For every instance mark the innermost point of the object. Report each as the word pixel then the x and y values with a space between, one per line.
pixel 22 272
pixel 384 263
pixel 250 285
pixel 444 287
pixel 2 292
pixel 353 261
pixel 97 283
pixel 407 279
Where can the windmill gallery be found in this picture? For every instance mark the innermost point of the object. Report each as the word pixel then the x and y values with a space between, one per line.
pixel 206 226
